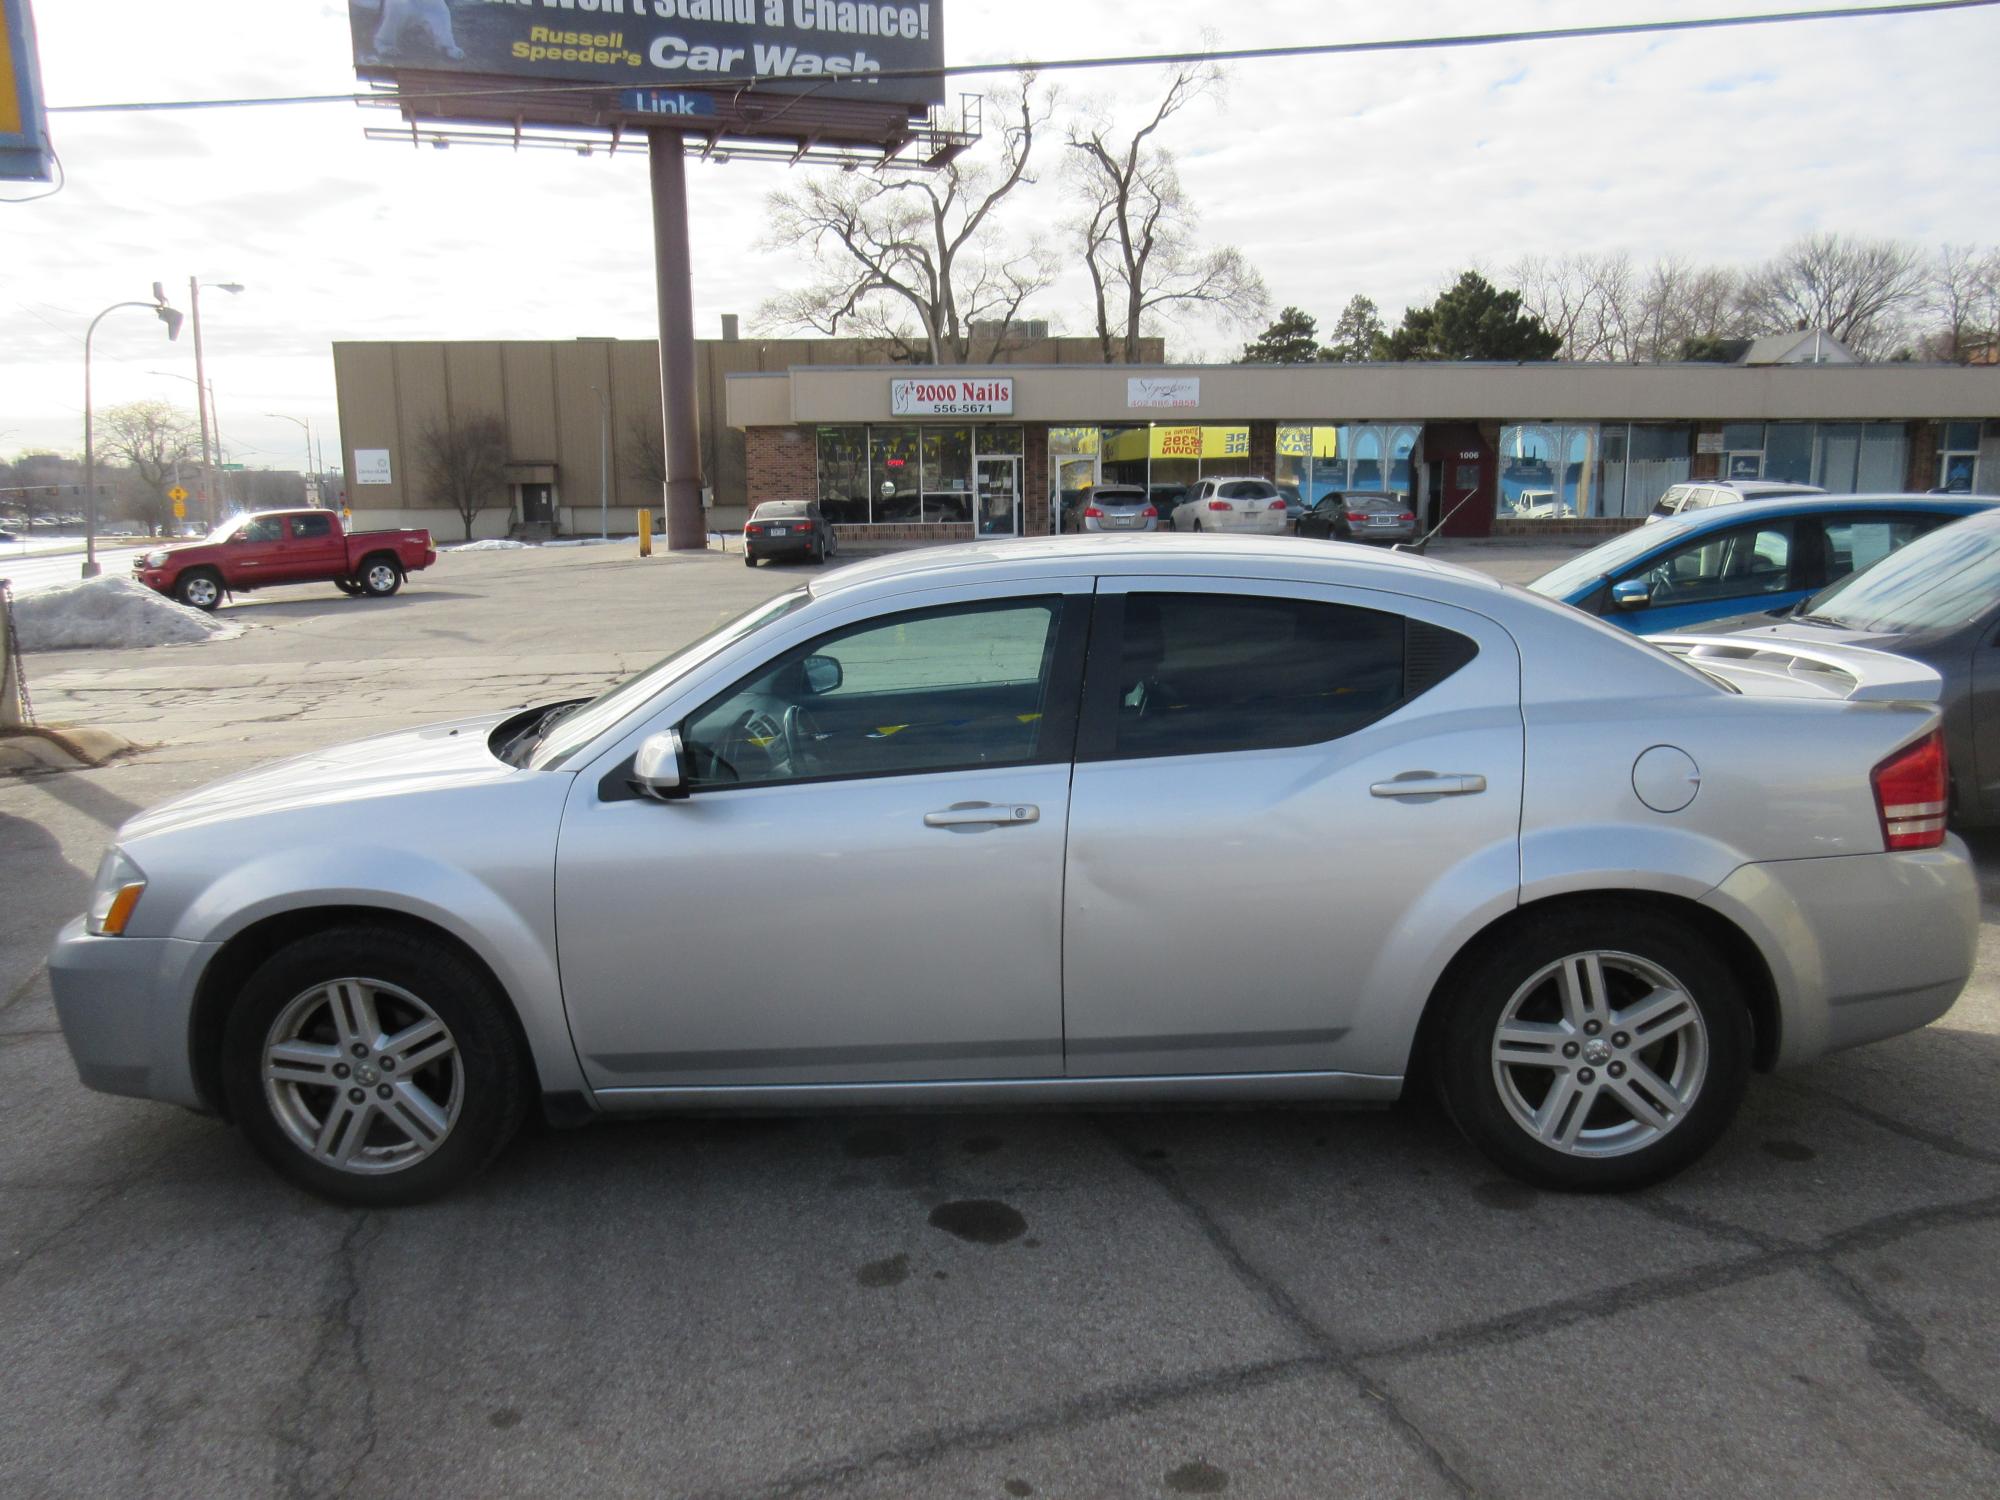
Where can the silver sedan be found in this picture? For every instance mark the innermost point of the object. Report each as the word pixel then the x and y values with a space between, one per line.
pixel 1040 810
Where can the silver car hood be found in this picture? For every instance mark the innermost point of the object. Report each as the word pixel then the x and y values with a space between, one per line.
pixel 453 754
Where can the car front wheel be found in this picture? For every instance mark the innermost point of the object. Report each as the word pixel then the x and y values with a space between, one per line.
pixel 372 1068
pixel 199 590
pixel 1600 1049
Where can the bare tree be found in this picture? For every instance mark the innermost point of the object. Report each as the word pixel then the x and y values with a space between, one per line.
pixel 1860 291
pixel 1962 300
pixel 916 258
pixel 1137 228
pixel 1678 303
pixel 154 439
pixel 464 464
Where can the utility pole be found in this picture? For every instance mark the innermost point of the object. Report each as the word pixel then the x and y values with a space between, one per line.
pixel 603 462
pixel 201 394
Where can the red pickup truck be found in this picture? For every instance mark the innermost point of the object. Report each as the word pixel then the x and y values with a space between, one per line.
pixel 284 546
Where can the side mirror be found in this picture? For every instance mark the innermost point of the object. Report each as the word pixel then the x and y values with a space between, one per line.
pixel 823 675
pixel 1633 593
pixel 656 769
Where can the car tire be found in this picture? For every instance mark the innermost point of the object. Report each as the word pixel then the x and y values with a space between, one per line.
pixel 380 577
pixel 199 588
pixel 347 586
pixel 1197 526
pixel 749 559
pixel 1599 1049
pixel 371 1137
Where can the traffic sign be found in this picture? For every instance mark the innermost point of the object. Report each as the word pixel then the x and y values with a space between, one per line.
pixel 177 494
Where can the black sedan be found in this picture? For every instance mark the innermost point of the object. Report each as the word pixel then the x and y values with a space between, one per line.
pixel 787 528
pixel 1936 601
pixel 1327 519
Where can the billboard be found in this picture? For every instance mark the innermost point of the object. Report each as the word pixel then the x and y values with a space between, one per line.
pixel 24 130
pixel 828 47
pixel 950 396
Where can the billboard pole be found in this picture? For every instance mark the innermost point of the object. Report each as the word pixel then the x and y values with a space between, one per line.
pixel 667 169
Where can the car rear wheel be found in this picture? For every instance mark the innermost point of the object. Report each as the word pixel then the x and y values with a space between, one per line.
pixel 749 558
pixel 1600 1049
pixel 380 577
pixel 371 1068
pixel 347 585
pixel 200 589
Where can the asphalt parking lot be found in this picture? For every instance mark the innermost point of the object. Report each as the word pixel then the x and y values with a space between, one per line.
pixel 1257 1303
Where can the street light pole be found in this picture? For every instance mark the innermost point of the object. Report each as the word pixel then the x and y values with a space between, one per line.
pixel 306 423
pixel 201 389
pixel 172 319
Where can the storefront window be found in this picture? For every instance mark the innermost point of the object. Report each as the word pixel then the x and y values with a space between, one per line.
pixel 1788 450
pixel 1549 471
pixel 1365 463
pixel 1640 464
pixel 1402 443
pixel 947 474
pixel 1958 457
pixel 999 441
pixel 895 469
pixel 843 473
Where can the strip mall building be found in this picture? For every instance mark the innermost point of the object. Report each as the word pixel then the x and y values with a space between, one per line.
pixel 896 453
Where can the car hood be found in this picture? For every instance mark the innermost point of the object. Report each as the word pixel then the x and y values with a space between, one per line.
pixel 438 756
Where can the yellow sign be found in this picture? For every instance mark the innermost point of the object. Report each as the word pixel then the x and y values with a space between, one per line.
pixel 180 511
pixel 177 494
pixel 1177 442
pixel 1309 442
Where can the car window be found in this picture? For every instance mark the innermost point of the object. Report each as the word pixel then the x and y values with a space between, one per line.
pixel 1249 489
pixel 1204 673
pixel 264 529
pixel 926 690
pixel 306 527
pixel 1671 501
pixel 1857 542
pixel 1938 582
pixel 1732 564
pixel 784 508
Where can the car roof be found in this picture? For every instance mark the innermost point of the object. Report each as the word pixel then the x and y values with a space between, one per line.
pixel 1689 522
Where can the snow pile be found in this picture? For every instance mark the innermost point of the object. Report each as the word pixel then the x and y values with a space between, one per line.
pixel 585 541
pixel 491 544
pixel 109 611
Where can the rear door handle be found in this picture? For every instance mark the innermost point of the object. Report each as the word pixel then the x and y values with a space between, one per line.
pixel 968 814
pixel 1424 784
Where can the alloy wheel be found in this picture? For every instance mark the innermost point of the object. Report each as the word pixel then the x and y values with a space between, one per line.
pixel 381 578
pixel 201 592
pixel 363 1076
pixel 1600 1054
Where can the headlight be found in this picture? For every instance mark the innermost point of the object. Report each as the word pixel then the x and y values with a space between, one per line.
pixel 120 884
pixel 156 559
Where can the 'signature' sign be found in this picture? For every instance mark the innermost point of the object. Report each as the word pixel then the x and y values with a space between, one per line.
pixel 832 47
pixel 944 396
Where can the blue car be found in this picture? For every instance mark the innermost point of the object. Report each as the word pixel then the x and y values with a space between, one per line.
pixel 1733 560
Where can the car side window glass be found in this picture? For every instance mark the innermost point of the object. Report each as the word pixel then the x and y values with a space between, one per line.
pixel 306 527
pixel 265 529
pixel 1857 542
pixel 1747 561
pixel 1204 673
pixel 928 690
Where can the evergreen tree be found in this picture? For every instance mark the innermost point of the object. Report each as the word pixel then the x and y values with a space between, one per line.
pixel 1358 333
pixel 1473 320
pixel 1292 340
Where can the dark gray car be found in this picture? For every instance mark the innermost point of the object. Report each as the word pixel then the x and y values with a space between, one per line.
pixel 1936 601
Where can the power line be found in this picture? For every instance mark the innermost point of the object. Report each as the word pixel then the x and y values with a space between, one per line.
pixel 1124 60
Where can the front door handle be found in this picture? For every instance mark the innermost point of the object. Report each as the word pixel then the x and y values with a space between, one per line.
pixel 968 814
pixel 1425 784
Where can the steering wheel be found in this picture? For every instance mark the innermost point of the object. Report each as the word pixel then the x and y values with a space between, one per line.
pixel 802 737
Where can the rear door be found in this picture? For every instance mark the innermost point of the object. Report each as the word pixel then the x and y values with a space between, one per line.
pixel 1849 542
pixel 314 551
pixel 1244 741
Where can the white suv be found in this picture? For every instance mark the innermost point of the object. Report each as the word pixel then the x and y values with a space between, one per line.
pixel 1234 503
pixel 1701 495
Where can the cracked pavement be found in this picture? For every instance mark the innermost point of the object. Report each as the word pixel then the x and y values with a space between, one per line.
pixel 1147 1303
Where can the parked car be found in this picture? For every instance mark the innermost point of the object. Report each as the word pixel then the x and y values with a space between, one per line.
pixel 8 536
pixel 1936 601
pixel 1602 885
pixel 1702 494
pixel 1539 505
pixel 1233 504
pixel 267 548
pixel 1165 497
pixel 788 528
pixel 1120 507
pixel 1364 516
pixel 1709 564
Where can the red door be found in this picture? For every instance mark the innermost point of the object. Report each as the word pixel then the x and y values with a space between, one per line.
pixel 315 553
pixel 1465 503
pixel 255 556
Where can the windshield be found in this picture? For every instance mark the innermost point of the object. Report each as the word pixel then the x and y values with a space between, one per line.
pixel 225 531
pixel 1564 580
pixel 583 724
pixel 1938 581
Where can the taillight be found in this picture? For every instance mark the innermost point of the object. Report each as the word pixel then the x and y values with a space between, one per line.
pixel 802 526
pixel 1148 512
pixel 1092 513
pixel 1910 791
pixel 753 531
pixel 1220 505
pixel 1277 505
pixel 1357 515
pixel 1408 515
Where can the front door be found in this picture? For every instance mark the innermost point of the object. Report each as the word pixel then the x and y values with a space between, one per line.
pixel 997 499
pixel 865 882
pixel 1247 879
pixel 538 504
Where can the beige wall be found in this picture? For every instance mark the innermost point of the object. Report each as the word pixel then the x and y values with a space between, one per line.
pixel 387 392
pixel 1421 392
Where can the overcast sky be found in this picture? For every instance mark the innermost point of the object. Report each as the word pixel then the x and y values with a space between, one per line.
pixel 1373 174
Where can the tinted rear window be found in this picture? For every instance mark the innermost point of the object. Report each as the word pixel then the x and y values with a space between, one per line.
pixel 1249 489
pixel 774 508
